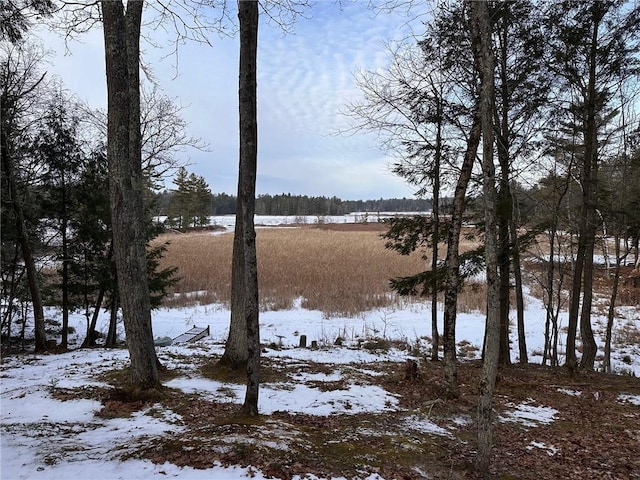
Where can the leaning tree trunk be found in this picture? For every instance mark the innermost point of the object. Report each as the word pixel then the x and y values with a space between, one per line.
pixel 247 94
pixel 480 26
pixel 612 304
pixel 90 339
pixel 452 261
pixel 122 54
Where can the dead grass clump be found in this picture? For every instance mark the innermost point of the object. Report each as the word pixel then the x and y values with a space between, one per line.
pixel 473 297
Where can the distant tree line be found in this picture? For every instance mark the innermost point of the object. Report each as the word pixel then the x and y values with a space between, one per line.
pixel 288 204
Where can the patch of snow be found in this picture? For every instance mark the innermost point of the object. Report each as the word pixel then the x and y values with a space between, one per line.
pixel 529 415
pixel 318 377
pixel 295 397
pixel 633 399
pixel 424 425
pixel 568 391
pixel 551 450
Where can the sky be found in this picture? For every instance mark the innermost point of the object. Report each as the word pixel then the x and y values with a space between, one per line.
pixel 306 79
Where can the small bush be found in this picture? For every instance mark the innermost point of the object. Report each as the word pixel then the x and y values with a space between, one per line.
pixel 377 345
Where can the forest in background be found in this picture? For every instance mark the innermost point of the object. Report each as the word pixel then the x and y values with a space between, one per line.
pixel 288 204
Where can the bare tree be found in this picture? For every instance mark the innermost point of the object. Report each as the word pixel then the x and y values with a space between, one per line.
pixel 163 129
pixel 419 108
pixel 21 80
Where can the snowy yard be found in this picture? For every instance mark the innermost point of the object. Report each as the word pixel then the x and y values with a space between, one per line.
pixel 335 412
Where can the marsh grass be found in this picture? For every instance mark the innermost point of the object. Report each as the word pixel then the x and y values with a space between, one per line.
pixel 337 271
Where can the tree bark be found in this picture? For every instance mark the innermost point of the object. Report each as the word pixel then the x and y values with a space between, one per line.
pixel 452 261
pixel 236 351
pixel 247 95
pixel 480 26
pixel 122 55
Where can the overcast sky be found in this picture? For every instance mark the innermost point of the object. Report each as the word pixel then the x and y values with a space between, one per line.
pixel 305 79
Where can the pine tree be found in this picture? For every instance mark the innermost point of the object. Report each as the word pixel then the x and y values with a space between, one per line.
pixel 191 201
pixel 57 148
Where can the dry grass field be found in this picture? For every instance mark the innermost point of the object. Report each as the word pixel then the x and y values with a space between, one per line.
pixel 338 269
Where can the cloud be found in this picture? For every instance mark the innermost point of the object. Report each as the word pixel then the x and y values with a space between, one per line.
pixel 304 80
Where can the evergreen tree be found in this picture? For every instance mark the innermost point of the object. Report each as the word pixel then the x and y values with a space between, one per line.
pixel 191 202
pixel 57 149
pixel 201 201
pixel 179 213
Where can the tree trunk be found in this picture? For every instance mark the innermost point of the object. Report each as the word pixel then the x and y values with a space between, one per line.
pixel 571 361
pixel 247 94
pixel 27 255
pixel 504 216
pixel 121 37
pixel 110 341
pixel 590 196
pixel 480 26
pixel 90 339
pixel 517 275
pixel 435 337
pixel 504 200
pixel 452 261
pixel 589 347
pixel 236 351
pixel 612 305
pixel 64 343
pixel 583 275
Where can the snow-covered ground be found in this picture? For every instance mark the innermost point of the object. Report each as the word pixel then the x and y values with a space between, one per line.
pixel 45 437
pixel 229 221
